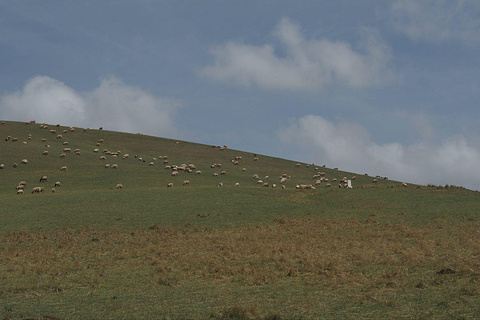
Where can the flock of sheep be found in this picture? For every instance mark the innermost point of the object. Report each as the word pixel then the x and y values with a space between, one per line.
pixel 319 177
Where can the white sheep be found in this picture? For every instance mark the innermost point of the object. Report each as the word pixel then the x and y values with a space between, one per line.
pixel 119 186
pixel 115 166
pixel 170 185
pixel 186 182
pixel 64 168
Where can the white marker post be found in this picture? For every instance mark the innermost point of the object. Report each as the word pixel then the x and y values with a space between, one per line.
pixel 349 186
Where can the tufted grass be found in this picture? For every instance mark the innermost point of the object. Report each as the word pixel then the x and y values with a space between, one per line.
pixel 89 251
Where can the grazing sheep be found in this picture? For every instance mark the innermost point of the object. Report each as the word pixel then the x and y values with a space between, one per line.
pixel 255 176
pixel 45 153
pixel 119 186
pixel 20 191
pixel 57 184
pixel 266 184
pixel 38 189
pixel 67 150
pixel 374 181
pixel 328 185
pixel 244 169
pixel 404 185
pixel 283 180
pixel 100 141
pixel 220 184
pixel 354 178
pixel 198 172
pixel 65 143
pixel 317 182
pixel 170 185
pixel 96 150
pixel 71 129
pixel 24 161
pixel 260 182
pixel 102 158
pixel 15 165
pixel 255 159
pixel 186 182
pixel 14 139
pixel 43 179
pixel 53 131
pixel 59 136
pixel 298 165
pixel 2 166
pixel 223 173
pixel 334 180
pixel 114 166
pixel 283 187
pixel 215 174
pixel 20 186
pixel 107 166
pixel 174 173
pixel 237 184
pixel 274 185
pixel 63 155
pixel 44 140
pixel 64 168
pixel 151 164
pixel 2 123
pixel 53 190
pixel 8 138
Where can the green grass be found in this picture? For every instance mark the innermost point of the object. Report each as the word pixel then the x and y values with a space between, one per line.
pixel 89 251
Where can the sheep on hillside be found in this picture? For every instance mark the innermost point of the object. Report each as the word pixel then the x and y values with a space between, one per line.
pixel 20 191
pixel 115 166
pixel 64 168
pixel 170 185
pixel 38 189
pixel 2 166
pixel 198 172
pixel 186 182
pixel 43 179
pixel 119 186
pixel 57 184
pixel 63 155
pixel 24 161
pixel 45 153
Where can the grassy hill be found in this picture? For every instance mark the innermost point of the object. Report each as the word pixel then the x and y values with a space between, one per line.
pixel 90 250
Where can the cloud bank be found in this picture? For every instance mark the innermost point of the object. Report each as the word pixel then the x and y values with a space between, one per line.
pixel 438 20
pixel 349 147
pixel 113 105
pixel 308 65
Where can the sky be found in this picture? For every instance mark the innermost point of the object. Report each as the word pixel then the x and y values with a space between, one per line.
pixel 388 88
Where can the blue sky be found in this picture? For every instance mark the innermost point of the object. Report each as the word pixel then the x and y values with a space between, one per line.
pixel 384 87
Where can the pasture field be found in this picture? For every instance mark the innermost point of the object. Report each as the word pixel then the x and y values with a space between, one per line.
pixel 90 251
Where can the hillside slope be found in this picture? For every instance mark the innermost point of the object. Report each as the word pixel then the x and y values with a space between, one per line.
pixel 199 251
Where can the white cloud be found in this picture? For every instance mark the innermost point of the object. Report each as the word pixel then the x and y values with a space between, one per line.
pixel 113 105
pixel 349 146
pixel 308 65
pixel 438 20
